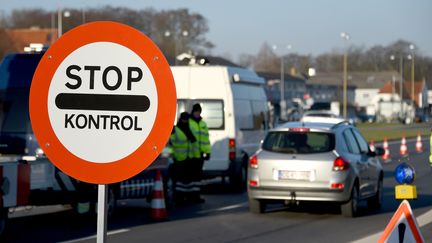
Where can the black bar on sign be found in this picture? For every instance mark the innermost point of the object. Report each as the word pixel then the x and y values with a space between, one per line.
pixel 102 102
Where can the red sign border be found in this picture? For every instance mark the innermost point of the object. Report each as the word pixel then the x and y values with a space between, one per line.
pixel 403 210
pixel 146 153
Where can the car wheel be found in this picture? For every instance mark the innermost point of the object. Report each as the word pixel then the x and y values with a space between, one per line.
pixel 350 208
pixel 376 201
pixel 257 206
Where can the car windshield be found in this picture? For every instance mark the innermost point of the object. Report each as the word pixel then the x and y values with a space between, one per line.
pixel 299 142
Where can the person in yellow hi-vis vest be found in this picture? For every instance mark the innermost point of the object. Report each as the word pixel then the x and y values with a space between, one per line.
pixel 199 128
pixel 184 147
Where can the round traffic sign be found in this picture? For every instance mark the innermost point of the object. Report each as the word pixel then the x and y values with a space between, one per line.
pixel 404 174
pixel 102 102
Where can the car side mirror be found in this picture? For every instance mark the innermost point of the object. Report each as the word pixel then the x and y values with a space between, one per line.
pixel 379 151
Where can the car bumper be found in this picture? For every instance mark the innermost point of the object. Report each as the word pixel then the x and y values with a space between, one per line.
pixel 299 194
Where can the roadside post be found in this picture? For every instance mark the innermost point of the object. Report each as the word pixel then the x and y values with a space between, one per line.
pixel 102 105
pixel 403 225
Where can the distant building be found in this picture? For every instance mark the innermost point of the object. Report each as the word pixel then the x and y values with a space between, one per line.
pixel 388 104
pixel 392 89
pixel 326 87
pixel 16 39
pixel 362 86
pixel 294 87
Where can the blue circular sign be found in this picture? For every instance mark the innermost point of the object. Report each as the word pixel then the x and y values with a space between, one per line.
pixel 404 174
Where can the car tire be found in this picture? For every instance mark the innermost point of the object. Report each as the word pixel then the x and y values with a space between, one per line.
pixel 375 202
pixel 257 206
pixel 350 208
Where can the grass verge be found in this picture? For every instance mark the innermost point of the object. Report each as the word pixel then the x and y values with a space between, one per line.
pixel 393 131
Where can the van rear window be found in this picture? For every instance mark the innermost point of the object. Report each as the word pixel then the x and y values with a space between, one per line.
pixel 212 111
pixel 299 142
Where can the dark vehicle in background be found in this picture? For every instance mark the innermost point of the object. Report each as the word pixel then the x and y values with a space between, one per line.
pixel 310 161
pixel 422 115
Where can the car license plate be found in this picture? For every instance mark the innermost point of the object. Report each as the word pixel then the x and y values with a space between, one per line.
pixel 294 175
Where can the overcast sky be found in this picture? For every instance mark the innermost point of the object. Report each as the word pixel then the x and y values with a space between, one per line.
pixel 310 26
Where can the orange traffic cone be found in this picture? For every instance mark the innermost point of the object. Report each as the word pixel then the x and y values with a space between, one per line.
pixel 403 147
pixel 386 155
pixel 372 146
pixel 419 145
pixel 158 210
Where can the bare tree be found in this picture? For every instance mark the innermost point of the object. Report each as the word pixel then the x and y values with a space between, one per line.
pixel 186 30
pixel 266 60
pixel 26 18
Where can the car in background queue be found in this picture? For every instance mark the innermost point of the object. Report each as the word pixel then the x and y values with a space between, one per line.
pixel 307 161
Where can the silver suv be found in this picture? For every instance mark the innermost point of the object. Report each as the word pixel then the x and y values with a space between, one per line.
pixel 305 161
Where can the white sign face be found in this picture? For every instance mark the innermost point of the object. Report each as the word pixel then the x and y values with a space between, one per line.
pixel 102 102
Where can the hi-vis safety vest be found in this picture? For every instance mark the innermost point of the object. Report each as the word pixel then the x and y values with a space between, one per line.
pixel 182 148
pixel 200 131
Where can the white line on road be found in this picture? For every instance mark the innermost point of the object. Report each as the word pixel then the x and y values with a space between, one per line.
pixel 113 232
pixel 234 206
pixel 422 220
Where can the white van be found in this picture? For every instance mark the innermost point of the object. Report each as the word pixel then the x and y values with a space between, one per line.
pixel 234 106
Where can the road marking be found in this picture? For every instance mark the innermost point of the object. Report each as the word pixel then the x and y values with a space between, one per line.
pixel 234 206
pixel 425 218
pixel 113 232
pixel 422 220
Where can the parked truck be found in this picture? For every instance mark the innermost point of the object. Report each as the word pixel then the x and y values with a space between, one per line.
pixel 27 177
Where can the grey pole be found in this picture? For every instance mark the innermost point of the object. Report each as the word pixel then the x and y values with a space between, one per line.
pixel 102 214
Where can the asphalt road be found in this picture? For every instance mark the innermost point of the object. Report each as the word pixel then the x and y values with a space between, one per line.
pixel 224 217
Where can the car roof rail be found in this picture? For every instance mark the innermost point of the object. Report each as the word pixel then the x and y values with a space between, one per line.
pixel 341 123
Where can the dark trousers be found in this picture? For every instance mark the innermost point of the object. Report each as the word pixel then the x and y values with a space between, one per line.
pixel 187 176
pixel 197 175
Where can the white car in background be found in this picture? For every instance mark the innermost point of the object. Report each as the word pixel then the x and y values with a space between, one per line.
pixel 322 116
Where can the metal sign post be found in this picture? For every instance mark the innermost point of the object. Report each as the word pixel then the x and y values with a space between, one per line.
pixel 102 214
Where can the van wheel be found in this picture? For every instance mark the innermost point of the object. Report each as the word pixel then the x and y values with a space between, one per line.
pixel 257 206
pixel 350 208
pixel 238 178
